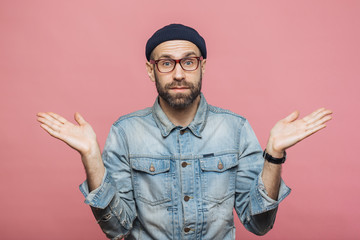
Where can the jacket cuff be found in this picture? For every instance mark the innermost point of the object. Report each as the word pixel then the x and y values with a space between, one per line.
pixel 101 196
pixel 261 202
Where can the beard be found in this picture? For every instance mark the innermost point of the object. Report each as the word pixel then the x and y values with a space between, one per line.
pixel 179 100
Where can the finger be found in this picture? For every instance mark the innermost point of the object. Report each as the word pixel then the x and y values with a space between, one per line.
pixel 319 122
pixel 50 131
pixel 50 118
pixel 57 117
pixel 293 116
pixel 50 124
pixel 318 116
pixel 313 114
pixel 79 119
pixel 323 113
pixel 314 130
pixel 310 132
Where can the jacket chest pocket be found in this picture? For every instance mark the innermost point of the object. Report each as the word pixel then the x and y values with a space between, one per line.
pixel 151 180
pixel 218 176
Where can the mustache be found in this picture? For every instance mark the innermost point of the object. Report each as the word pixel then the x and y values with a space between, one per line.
pixel 179 84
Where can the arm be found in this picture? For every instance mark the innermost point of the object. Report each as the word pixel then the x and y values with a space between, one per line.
pixel 286 133
pixel 80 137
pixel 256 210
pixel 113 203
pixel 259 188
pixel 107 190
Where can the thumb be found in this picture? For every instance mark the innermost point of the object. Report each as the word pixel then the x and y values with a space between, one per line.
pixel 292 117
pixel 79 119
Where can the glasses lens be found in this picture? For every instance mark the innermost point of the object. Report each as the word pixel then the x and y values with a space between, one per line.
pixel 166 65
pixel 189 64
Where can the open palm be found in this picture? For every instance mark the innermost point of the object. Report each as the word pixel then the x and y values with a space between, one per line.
pixel 80 137
pixel 290 130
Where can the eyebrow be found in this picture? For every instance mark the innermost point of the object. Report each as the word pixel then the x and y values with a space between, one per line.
pixel 170 56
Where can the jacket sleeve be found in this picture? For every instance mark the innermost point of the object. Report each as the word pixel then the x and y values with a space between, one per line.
pixel 112 203
pixel 255 209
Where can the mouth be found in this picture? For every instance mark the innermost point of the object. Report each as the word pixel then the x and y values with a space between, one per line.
pixel 179 89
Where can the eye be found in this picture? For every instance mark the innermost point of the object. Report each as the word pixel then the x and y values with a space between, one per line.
pixel 166 63
pixel 188 62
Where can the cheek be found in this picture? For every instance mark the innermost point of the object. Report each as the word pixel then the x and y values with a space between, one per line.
pixel 194 77
pixel 161 80
pixel 165 78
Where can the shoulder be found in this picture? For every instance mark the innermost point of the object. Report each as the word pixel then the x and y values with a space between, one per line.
pixel 227 117
pixel 217 111
pixel 137 115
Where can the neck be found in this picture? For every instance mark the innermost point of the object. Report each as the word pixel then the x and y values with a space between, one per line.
pixel 180 117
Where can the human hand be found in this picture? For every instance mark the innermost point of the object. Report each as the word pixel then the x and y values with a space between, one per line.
pixel 290 130
pixel 80 137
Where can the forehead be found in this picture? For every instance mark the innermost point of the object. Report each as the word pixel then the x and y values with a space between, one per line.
pixel 175 49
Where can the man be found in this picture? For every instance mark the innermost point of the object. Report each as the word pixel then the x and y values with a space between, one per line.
pixel 178 169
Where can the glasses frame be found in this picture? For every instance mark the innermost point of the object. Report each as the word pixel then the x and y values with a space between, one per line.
pixel 177 61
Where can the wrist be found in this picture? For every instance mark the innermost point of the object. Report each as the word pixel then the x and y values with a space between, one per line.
pixel 275 160
pixel 92 150
pixel 273 151
pixel 92 156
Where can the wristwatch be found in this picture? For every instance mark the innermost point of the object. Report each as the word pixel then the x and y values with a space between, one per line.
pixel 271 159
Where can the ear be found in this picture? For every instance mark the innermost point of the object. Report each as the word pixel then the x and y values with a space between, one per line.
pixel 203 64
pixel 150 70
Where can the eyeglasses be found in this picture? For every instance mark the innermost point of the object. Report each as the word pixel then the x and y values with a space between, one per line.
pixel 168 65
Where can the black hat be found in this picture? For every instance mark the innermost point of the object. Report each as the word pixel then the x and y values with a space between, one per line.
pixel 175 32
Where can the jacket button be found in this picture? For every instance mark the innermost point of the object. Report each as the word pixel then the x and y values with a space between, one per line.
pixel 182 131
pixel 220 166
pixel 152 168
pixel 186 198
pixel 184 164
pixel 186 230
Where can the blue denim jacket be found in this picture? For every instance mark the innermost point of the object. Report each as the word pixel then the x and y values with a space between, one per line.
pixel 170 182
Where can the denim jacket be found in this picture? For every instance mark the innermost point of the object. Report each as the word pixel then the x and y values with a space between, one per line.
pixel 170 182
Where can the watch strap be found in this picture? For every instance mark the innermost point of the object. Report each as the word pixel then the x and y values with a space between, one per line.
pixel 271 159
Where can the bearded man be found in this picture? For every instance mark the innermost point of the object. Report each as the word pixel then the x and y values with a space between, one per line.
pixel 177 170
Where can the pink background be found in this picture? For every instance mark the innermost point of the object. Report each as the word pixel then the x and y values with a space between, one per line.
pixel 265 59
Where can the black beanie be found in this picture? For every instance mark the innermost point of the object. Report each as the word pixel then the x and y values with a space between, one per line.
pixel 175 32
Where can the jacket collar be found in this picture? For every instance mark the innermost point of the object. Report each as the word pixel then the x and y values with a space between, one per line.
pixel 196 126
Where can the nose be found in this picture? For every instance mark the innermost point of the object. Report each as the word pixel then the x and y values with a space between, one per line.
pixel 178 73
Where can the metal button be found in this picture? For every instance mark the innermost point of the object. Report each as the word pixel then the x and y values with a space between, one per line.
pixel 220 166
pixel 187 230
pixel 152 168
pixel 182 131
pixel 184 164
pixel 186 198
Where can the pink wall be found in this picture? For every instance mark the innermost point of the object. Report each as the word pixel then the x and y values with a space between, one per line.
pixel 266 59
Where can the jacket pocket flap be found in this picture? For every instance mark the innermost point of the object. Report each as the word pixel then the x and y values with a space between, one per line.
pixel 219 163
pixel 150 166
